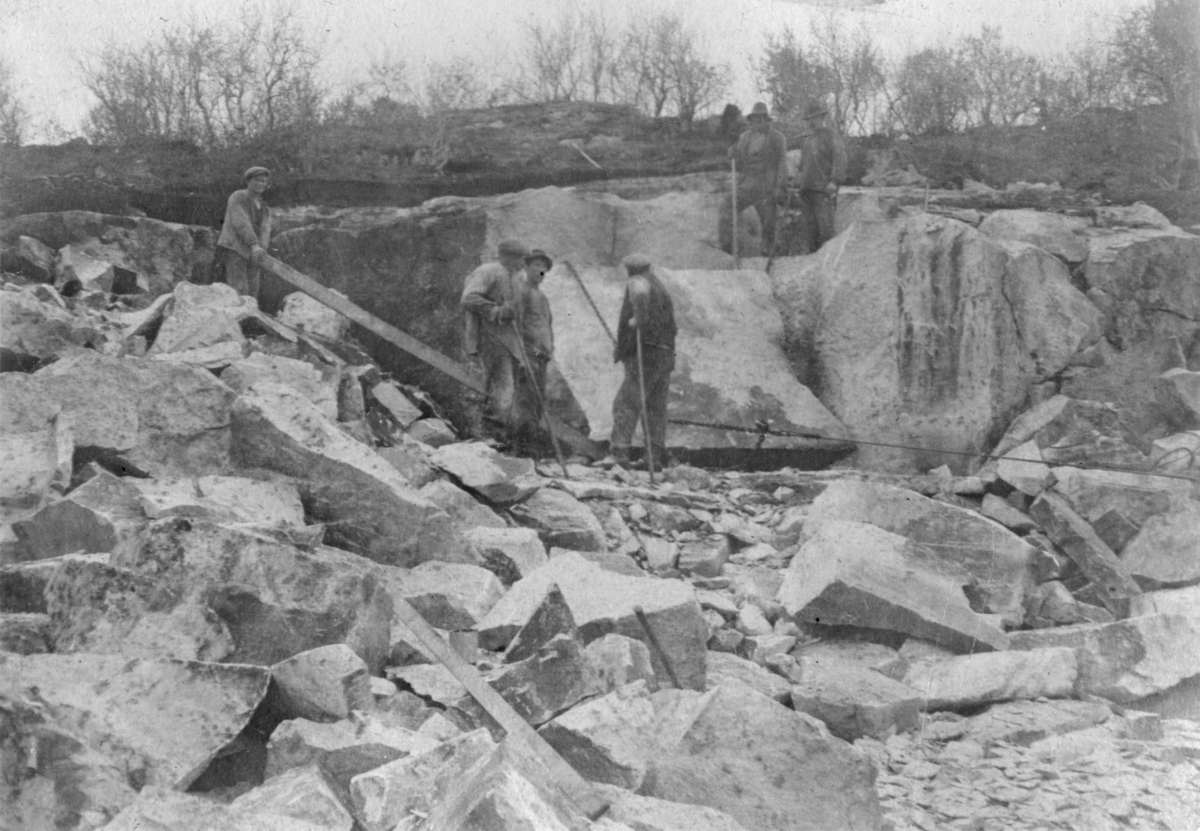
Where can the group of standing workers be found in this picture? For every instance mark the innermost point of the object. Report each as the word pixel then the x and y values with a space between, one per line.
pixel 509 326
pixel 510 331
pixel 760 161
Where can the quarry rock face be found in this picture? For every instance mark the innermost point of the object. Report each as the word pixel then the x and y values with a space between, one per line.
pixel 923 330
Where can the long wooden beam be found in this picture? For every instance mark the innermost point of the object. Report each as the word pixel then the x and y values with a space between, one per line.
pixel 574 786
pixel 471 380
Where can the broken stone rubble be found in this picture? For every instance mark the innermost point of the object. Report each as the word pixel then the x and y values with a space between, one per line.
pixel 736 588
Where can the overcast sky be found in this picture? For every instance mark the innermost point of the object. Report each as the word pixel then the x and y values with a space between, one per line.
pixel 42 38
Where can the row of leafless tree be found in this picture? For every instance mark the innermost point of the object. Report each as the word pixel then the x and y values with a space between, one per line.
pixel 212 84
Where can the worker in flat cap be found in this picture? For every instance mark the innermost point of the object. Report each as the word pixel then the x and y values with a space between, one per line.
pixel 822 169
pixel 246 232
pixel 645 309
pixel 761 156
pixel 536 325
pixel 490 301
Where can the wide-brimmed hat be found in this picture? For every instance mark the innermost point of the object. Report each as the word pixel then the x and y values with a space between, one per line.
pixel 252 172
pixel 538 254
pixel 513 248
pixel 760 109
pixel 815 108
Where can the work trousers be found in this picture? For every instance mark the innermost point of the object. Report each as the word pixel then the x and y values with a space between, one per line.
pixel 241 274
pixel 512 399
pixel 750 192
pixel 817 210
pixel 627 406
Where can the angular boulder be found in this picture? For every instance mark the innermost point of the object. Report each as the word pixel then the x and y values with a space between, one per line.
pixel 200 317
pixel 1128 659
pixel 561 520
pixel 37 446
pixel 320 386
pixel 851 573
pixel 724 667
pixel 34 331
pixel 1165 553
pixel 312 317
pixel 161 253
pixel 302 795
pixel 852 700
pixel 161 720
pixel 466 511
pixel 454 596
pixel 323 684
pixel 926 317
pixel 370 507
pixel 103 514
pixel 275 600
pixel 169 419
pixel 766 766
pixel 554 679
pixel 511 553
pixel 1054 233
pixel 953 542
pixel 602 602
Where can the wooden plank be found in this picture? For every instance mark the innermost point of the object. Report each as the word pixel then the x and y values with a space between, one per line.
pixel 577 441
pixel 573 785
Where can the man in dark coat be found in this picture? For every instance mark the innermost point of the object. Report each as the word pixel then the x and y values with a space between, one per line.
pixel 822 169
pixel 536 324
pixel 646 308
pixel 761 154
pixel 246 232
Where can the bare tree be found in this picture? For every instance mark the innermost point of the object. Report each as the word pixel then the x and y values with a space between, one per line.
pixel 1158 46
pixel 789 74
pixel 1004 80
pixel 853 72
pixel 14 118
pixel 930 92
pixel 600 46
pixel 663 61
pixel 555 62
pixel 454 85
pixel 206 84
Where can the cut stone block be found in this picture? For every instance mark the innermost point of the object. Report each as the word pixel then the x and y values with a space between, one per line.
pixel 860 575
pixel 452 596
pixel 1166 551
pixel 396 403
pixel 723 667
pixel 967 681
pixel 466 511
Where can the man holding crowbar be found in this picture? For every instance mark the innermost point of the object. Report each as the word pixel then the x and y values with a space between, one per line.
pixel 646 345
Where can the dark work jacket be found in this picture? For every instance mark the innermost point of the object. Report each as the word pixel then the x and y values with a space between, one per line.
pixel 646 295
pixel 822 159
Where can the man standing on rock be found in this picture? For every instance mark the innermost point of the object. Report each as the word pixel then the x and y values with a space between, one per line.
pixel 490 300
pixel 646 309
pixel 535 323
pixel 761 155
pixel 246 232
pixel 822 169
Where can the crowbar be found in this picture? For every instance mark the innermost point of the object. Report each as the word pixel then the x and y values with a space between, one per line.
pixel 537 394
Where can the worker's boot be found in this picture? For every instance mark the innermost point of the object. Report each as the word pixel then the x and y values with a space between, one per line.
pixel 616 456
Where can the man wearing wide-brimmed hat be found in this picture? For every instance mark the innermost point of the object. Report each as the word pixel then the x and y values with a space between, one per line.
pixel 761 155
pixel 489 299
pixel 246 232
pixel 822 169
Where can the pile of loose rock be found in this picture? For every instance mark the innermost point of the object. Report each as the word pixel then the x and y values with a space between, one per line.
pixel 210 515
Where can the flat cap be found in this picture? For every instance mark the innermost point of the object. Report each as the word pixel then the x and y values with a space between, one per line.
pixel 815 108
pixel 513 248
pixel 251 172
pixel 538 254
pixel 636 263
